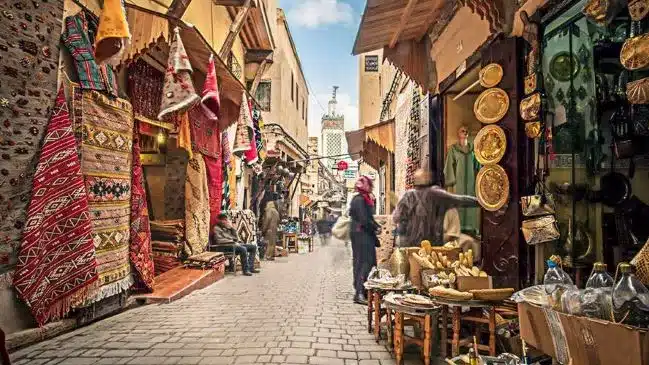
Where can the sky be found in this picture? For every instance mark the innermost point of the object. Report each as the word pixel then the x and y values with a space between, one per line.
pixel 324 32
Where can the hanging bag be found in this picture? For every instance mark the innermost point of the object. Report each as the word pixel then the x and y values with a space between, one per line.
pixel 342 227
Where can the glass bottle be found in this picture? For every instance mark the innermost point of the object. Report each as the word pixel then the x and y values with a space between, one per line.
pixel 600 278
pixel 473 357
pixel 630 299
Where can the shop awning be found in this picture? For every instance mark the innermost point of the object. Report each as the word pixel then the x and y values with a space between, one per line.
pixel 155 50
pixel 400 28
pixel 373 143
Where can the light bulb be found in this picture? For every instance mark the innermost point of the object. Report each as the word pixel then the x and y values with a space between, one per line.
pixel 161 138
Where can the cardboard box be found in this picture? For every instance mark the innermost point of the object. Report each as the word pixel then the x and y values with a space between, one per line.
pixel 589 341
pixel 453 254
pixel 466 283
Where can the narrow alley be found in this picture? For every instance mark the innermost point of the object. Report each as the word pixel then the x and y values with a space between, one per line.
pixel 298 310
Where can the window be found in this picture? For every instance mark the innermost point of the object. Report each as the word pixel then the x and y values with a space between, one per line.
pixel 297 98
pixel 262 94
pixel 371 63
pixel 292 92
pixel 303 110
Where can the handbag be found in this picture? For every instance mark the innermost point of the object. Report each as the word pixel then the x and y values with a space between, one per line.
pixel 540 230
pixel 537 205
pixel 342 227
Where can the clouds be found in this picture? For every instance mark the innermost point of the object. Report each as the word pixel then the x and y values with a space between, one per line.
pixel 346 107
pixel 314 13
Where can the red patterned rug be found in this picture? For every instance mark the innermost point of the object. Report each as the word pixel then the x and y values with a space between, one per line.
pixel 56 263
pixel 140 248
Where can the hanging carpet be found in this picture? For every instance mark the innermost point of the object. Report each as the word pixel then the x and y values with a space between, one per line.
pixel 140 248
pixel 106 151
pixel 56 266
pixel 197 207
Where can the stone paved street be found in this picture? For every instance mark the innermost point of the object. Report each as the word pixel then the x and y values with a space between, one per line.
pixel 297 311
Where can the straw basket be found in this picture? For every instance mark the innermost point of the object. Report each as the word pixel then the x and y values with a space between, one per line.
pixel 641 263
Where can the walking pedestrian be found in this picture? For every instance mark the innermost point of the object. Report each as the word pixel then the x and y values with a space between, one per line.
pixel 269 228
pixel 420 213
pixel 363 235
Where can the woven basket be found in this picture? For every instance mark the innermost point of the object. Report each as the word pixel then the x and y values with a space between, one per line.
pixel 493 295
pixel 641 263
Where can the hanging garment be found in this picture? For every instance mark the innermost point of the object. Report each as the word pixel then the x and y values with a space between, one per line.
pixel 140 251
pixel 197 207
pixel 184 134
pixel 225 148
pixel 56 266
pixel 106 155
pixel 459 173
pixel 258 125
pixel 210 96
pixel 414 151
pixel 242 138
pixel 205 135
pixel 214 168
pixel 178 91
pixel 251 156
pixel 112 32
pixel 145 84
pixel 78 37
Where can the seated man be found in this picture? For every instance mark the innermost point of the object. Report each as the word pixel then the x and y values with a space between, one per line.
pixel 225 239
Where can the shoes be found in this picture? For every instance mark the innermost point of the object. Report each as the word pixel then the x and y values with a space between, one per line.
pixel 360 299
pixel 247 273
pixel 255 271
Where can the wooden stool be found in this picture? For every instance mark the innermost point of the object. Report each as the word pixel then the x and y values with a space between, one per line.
pixel 423 317
pixel 474 316
pixel 376 312
pixel 310 243
pixel 290 242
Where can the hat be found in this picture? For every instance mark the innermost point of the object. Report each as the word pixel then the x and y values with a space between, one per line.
pixel 178 94
pixel 210 96
pixel 242 138
pixel 112 32
pixel 422 177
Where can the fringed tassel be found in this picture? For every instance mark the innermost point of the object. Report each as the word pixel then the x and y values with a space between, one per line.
pixel 63 306
pixel 111 289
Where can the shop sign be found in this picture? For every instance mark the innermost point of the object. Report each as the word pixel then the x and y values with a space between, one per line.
pixel 350 174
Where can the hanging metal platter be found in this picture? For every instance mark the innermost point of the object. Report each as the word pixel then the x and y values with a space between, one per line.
pixel 490 144
pixel 491 75
pixel 560 66
pixel 491 106
pixel 492 187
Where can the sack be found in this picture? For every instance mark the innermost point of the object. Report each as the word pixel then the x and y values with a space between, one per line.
pixel 537 205
pixel 641 263
pixel 540 230
pixel 342 228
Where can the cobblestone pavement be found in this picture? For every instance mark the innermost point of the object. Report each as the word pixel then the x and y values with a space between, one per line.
pixel 298 310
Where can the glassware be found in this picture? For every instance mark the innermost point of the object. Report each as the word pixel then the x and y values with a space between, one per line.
pixel 599 278
pixel 630 299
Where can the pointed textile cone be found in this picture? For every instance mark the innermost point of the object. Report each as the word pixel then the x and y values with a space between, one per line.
pixel 178 90
pixel 210 96
pixel 113 34
pixel 242 138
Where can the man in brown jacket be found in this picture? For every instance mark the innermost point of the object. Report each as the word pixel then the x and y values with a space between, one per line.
pixel 269 225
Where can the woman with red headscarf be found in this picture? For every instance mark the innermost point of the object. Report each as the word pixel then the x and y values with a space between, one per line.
pixel 363 235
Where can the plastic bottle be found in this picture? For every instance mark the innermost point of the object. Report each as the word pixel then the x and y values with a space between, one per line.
pixel 630 298
pixel 600 278
pixel 555 276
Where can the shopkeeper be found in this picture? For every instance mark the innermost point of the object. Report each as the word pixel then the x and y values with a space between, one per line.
pixel 420 213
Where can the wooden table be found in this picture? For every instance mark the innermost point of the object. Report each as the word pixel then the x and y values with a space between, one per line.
pixel 422 316
pixel 458 317
pixel 375 312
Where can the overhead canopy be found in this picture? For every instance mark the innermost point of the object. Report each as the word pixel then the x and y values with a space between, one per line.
pixel 254 34
pixel 373 143
pixel 400 28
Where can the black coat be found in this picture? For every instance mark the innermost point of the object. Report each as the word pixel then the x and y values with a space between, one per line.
pixel 363 225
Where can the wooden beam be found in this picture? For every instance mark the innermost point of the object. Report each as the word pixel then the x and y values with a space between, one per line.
pixel 260 71
pixel 402 23
pixel 258 55
pixel 178 8
pixel 235 28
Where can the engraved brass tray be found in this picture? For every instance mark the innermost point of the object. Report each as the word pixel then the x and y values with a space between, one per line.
pixel 490 145
pixel 491 75
pixel 638 9
pixel 491 106
pixel 533 129
pixel 492 187
pixel 635 53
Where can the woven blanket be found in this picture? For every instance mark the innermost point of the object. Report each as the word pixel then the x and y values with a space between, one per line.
pixel 245 222
pixel 214 168
pixel 140 247
pixel 56 262
pixel 176 171
pixel 197 207
pixel 106 153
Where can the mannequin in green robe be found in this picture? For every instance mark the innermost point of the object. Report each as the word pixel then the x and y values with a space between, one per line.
pixel 460 171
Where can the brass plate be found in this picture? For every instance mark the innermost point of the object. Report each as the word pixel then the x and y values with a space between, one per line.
pixel 638 9
pixel 491 106
pixel 491 75
pixel 492 187
pixel 635 53
pixel 490 145
pixel 533 129
pixel 530 107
